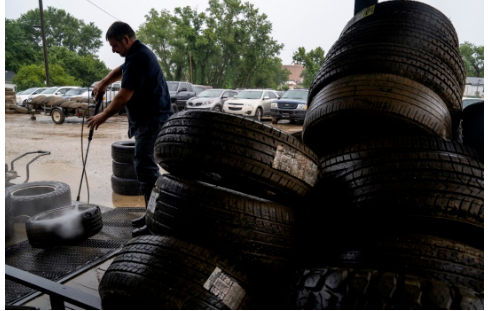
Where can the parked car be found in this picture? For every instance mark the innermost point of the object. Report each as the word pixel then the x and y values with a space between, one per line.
pixel 211 99
pixel 291 106
pixel 471 100
pixel 200 88
pixel 180 92
pixel 79 91
pixel 22 97
pixel 254 103
pixel 57 91
pixel 111 90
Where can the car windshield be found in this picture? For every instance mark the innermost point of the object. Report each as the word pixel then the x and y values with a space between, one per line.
pixel 50 90
pixel 28 91
pixel 295 95
pixel 73 92
pixel 249 95
pixel 39 91
pixel 198 89
pixel 210 93
pixel 172 86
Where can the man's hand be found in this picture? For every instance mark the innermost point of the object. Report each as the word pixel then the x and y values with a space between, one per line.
pixel 95 121
pixel 99 87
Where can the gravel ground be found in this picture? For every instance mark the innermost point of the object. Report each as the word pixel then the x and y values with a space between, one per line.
pixel 64 164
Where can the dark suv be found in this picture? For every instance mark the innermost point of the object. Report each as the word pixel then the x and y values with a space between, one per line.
pixel 291 106
pixel 180 92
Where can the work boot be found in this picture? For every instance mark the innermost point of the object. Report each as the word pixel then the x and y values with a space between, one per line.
pixel 139 222
pixel 141 231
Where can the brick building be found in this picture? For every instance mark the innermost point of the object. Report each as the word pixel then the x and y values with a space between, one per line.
pixel 296 70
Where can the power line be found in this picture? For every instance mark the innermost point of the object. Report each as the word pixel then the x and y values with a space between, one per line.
pixel 103 10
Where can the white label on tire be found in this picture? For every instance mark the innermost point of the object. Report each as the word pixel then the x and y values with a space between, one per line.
pixel 151 205
pixel 226 288
pixel 295 163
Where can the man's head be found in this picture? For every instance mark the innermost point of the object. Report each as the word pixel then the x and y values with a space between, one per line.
pixel 120 36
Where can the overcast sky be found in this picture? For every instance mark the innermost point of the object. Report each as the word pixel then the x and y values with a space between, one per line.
pixel 296 23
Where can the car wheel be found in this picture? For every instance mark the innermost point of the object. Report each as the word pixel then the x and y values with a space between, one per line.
pixel 58 116
pixel 217 108
pixel 123 151
pixel 125 186
pixel 259 114
pixel 64 226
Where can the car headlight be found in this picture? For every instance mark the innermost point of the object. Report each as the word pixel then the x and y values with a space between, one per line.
pixel 208 102
pixel 302 106
pixel 249 105
pixel 274 105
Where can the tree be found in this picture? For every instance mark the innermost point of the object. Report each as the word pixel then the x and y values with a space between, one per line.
pixel 62 29
pixel 311 61
pixel 473 57
pixel 34 75
pixel 18 51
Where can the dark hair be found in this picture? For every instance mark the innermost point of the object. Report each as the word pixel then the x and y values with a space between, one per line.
pixel 118 30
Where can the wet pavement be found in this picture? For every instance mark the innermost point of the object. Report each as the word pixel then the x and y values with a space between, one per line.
pixel 65 164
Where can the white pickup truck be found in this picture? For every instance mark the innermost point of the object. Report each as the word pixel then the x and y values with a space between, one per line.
pixel 111 91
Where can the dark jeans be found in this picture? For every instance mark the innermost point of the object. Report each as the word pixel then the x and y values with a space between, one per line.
pixel 147 170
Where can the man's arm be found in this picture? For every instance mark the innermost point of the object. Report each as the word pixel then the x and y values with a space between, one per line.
pixel 114 75
pixel 119 102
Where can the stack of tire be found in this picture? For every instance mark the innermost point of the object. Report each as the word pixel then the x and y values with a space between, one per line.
pixel 124 180
pixel 224 218
pixel 397 220
pixel 9 100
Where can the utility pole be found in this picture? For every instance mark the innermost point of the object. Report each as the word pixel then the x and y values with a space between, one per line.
pixel 191 70
pixel 46 65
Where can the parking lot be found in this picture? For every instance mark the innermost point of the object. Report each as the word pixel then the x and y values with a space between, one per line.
pixel 65 164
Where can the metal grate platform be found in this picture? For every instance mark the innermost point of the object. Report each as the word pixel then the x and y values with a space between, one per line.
pixel 59 262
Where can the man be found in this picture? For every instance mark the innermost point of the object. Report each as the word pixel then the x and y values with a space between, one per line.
pixel 145 95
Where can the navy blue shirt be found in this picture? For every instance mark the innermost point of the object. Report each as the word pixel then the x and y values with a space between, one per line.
pixel 150 103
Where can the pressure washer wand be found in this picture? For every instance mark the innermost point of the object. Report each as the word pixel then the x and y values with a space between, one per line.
pixel 98 102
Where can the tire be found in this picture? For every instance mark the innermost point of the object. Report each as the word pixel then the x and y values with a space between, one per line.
pixel 237 153
pixel 64 226
pixel 417 184
pixel 175 107
pixel 297 135
pixel 9 216
pixel 373 106
pixel 123 151
pixel 11 106
pixel 361 288
pixel 339 160
pixel 274 120
pixel 8 111
pixel 35 101
pixel 46 100
pixel 20 109
pixel 473 127
pixel 391 59
pixel 162 272
pixel 260 231
pixel 125 186
pixel 124 170
pixel 259 114
pixel 32 198
pixel 426 256
pixel 57 115
pixel 66 104
pixel 404 33
pixel 217 108
pixel 9 93
pixel 422 15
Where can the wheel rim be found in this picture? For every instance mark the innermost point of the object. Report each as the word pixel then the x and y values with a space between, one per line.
pixel 258 114
pixel 217 108
pixel 56 116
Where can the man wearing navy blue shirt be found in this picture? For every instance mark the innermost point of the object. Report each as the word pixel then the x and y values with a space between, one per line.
pixel 145 95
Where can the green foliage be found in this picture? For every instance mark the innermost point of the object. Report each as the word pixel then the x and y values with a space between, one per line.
pixel 71 45
pixel 35 75
pixel 474 59
pixel 284 87
pixel 229 45
pixel 30 76
pixel 311 61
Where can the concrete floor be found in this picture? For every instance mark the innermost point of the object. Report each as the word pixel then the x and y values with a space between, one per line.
pixel 64 164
